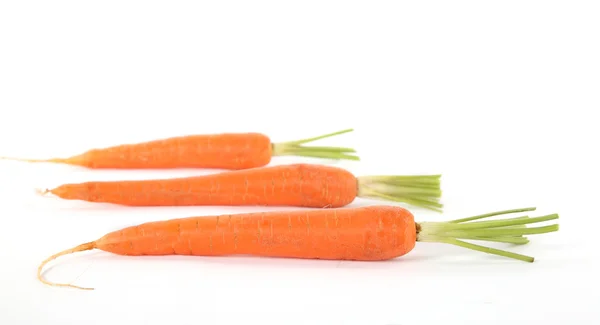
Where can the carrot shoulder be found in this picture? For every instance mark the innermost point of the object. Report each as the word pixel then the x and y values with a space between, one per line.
pixel 219 151
pixel 373 233
pixel 302 185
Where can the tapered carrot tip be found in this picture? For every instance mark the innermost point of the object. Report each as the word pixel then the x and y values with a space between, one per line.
pixel 30 160
pixel 42 191
pixel 79 248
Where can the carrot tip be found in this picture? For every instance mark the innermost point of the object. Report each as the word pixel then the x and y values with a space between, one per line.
pixel 28 160
pixel 41 191
pixel 79 248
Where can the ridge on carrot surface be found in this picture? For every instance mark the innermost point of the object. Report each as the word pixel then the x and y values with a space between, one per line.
pixel 372 233
pixel 303 185
pixel 218 151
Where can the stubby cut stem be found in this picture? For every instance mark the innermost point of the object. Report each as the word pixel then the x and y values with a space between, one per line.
pixel 418 190
pixel 297 148
pixel 508 230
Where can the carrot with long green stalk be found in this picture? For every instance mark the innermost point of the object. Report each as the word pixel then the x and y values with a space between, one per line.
pixel 373 233
pixel 303 185
pixel 218 151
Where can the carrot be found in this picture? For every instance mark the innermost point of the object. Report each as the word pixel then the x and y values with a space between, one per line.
pixel 372 233
pixel 304 185
pixel 220 151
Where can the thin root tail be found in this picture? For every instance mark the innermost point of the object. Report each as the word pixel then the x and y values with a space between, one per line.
pixel 32 160
pixel 29 160
pixel 42 191
pixel 79 248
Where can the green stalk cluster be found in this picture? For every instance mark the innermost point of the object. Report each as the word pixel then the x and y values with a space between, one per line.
pixel 298 148
pixel 508 230
pixel 418 190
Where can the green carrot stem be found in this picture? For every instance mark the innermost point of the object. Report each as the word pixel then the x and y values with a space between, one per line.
pixel 413 190
pixel 500 223
pixel 296 148
pixel 325 149
pixel 489 250
pixel 505 227
pixel 501 232
pixel 416 179
pixel 492 214
pixel 328 135
pixel 508 230
pixel 510 240
pixel 330 155
pixel 515 226
pixel 406 190
pixel 403 177
pixel 416 201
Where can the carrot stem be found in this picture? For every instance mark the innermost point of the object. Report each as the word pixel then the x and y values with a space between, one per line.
pixel 297 148
pixel 488 250
pixel 307 140
pixel 507 230
pixel 502 232
pixel 418 190
pixel 332 149
pixel 509 239
pixel 504 223
pixel 492 214
pixel 320 154
pixel 79 248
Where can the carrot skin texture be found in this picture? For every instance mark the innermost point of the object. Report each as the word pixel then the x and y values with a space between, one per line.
pixel 226 151
pixel 302 185
pixel 370 233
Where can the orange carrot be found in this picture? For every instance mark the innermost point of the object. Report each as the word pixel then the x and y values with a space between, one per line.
pixel 373 233
pixel 303 185
pixel 220 151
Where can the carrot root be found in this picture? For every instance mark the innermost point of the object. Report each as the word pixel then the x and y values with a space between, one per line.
pixel 30 160
pixel 42 191
pixel 507 230
pixel 79 248
pixel 418 190
pixel 297 148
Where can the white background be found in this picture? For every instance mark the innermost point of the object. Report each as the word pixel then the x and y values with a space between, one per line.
pixel 499 97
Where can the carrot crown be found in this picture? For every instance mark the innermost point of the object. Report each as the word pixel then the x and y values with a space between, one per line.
pixel 508 230
pixel 297 148
pixel 418 190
